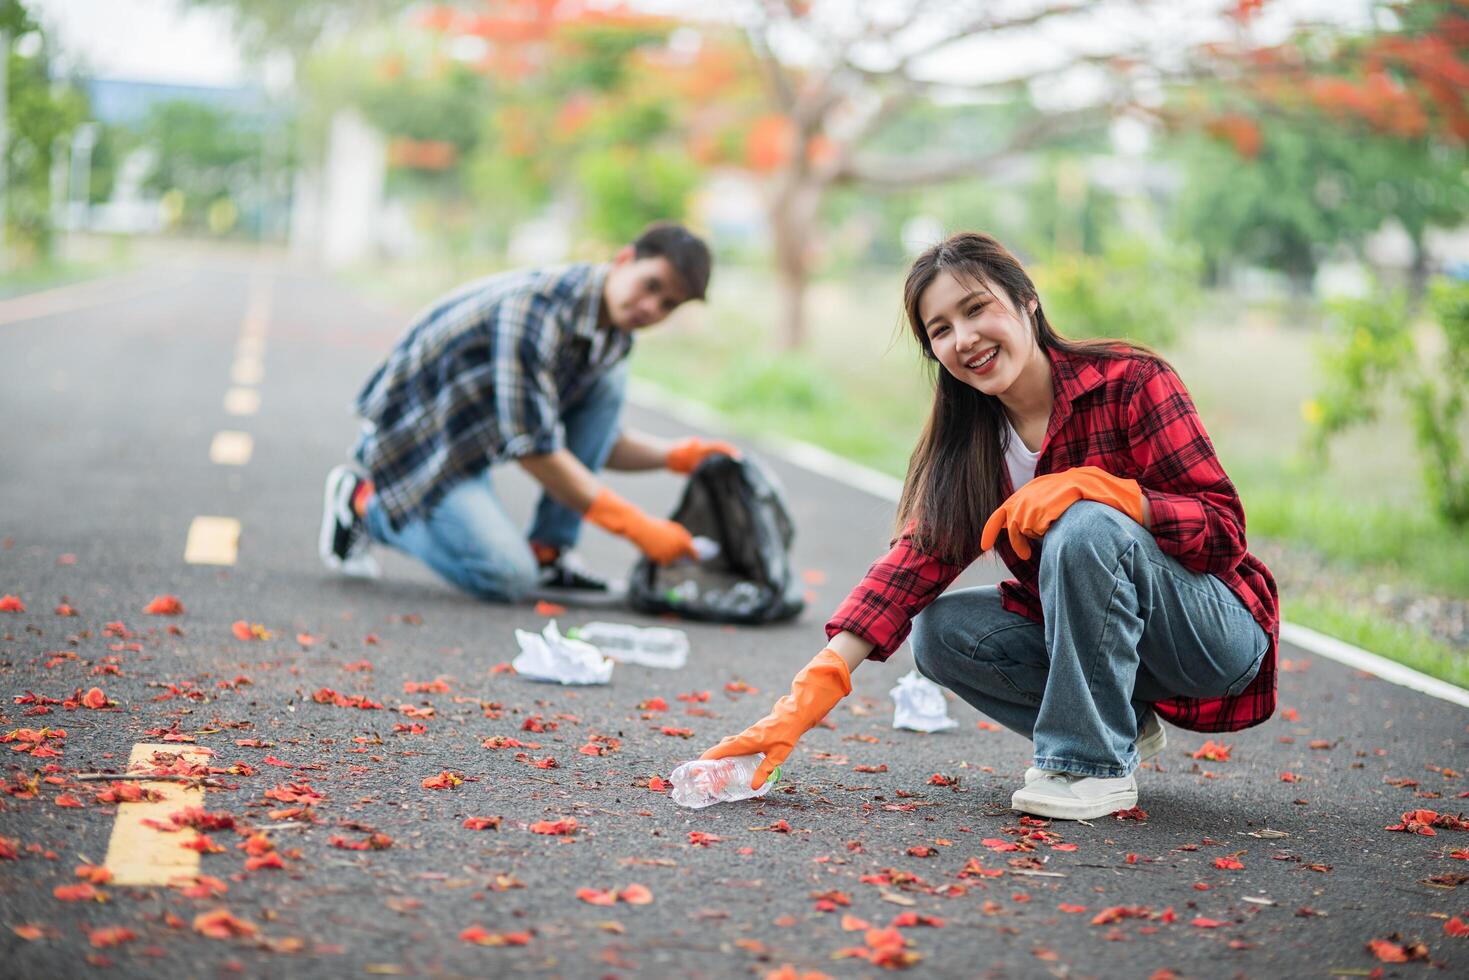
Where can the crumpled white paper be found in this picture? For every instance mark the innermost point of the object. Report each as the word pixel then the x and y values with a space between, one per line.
pixel 549 656
pixel 918 705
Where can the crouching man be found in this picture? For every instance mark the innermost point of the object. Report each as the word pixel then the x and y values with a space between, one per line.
pixel 530 367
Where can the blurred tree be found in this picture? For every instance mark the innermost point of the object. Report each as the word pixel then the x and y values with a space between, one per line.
pixel 200 152
pixel 294 27
pixel 41 114
pixel 574 99
pixel 1324 139
pixel 837 76
pixel 1374 349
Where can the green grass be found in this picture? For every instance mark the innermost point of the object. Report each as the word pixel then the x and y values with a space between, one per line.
pixel 1407 646
pixel 49 275
pixel 1372 538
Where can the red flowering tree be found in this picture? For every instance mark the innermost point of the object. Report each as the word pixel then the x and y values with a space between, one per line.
pixel 1328 135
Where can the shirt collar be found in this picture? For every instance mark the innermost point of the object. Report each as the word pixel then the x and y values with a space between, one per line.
pixel 1072 376
pixel 589 311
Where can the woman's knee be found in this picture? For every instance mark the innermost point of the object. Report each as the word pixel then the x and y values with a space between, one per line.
pixel 940 634
pixel 1089 527
pixel 925 642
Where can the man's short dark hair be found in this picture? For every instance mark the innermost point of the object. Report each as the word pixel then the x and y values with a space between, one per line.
pixel 684 250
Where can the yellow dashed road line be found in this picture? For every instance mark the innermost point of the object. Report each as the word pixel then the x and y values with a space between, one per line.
pixel 241 401
pixel 248 369
pixel 231 448
pixel 140 855
pixel 212 541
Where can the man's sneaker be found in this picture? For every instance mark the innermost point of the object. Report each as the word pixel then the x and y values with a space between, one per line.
pixel 1151 741
pixel 343 543
pixel 1065 796
pixel 567 573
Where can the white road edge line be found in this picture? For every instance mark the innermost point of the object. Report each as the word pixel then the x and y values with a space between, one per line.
pixel 824 463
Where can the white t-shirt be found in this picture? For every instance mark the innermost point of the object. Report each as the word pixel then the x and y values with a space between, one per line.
pixel 1019 460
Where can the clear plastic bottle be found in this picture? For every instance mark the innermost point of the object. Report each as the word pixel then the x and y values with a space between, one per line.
pixel 651 646
pixel 702 782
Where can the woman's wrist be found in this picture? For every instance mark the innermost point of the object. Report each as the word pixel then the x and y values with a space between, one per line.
pixel 851 648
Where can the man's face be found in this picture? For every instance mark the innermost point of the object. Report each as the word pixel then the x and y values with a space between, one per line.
pixel 641 292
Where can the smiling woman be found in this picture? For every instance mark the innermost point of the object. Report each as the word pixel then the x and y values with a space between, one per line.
pixel 1084 464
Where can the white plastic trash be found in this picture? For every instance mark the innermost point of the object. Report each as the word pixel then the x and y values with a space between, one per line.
pixel 919 705
pixel 649 646
pixel 549 656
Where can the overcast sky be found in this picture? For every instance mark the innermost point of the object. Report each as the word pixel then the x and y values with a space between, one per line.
pixel 164 41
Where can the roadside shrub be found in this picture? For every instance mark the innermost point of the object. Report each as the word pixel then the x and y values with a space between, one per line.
pixel 1132 290
pixel 1373 350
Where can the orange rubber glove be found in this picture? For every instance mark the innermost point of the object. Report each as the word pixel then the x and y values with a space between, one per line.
pixel 1032 509
pixel 687 454
pixel 815 691
pixel 663 541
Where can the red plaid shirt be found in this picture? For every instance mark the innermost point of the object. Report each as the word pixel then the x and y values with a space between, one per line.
pixel 1132 417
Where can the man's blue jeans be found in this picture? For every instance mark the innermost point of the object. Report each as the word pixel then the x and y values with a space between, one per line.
pixel 1125 625
pixel 469 539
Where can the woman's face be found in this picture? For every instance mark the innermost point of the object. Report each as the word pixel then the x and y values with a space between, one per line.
pixel 975 333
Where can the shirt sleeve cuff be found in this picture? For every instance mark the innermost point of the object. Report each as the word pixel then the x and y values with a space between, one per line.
pixel 533 444
pixel 872 617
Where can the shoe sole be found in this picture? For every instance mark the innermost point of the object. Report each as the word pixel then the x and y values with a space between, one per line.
pixel 330 517
pixel 1154 749
pixel 1077 810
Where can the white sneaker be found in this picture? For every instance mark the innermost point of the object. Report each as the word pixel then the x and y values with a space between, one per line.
pixel 343 542
pixel 1065 796
pixel 1151 741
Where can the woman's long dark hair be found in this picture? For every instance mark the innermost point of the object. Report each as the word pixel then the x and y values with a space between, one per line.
pixel 953 482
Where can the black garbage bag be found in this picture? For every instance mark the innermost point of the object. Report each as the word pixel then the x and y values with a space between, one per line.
pixel 737 503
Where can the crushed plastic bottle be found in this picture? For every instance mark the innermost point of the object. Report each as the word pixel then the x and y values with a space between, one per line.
pixel 686 591
pixel 703 782
pixel 651 646
pixel 739 599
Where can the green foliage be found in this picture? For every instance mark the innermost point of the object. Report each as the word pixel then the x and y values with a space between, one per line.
pixel 447 105
pixel 1131 290
pixel 1438 406
pixel 202 152
pixel 39 114
pixel 1314 185
pixel 1375 350
pixel 626 188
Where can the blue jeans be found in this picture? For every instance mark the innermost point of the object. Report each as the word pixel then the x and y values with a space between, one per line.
pixel 1125 625
pixel 470 540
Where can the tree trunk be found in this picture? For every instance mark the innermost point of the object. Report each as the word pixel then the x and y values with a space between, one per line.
pixel 1417 274
pixel 792 211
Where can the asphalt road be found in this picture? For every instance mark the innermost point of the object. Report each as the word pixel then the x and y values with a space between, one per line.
pixel 108 406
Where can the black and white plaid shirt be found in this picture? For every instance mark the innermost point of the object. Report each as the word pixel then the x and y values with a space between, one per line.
pixel 483 376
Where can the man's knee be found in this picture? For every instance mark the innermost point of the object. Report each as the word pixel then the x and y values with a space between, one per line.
pixel 508 579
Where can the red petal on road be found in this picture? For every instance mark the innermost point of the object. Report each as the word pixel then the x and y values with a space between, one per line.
pixel 164 605
pixel 480 937
pixel 596 896
pixel 220 924
pixel 636 894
